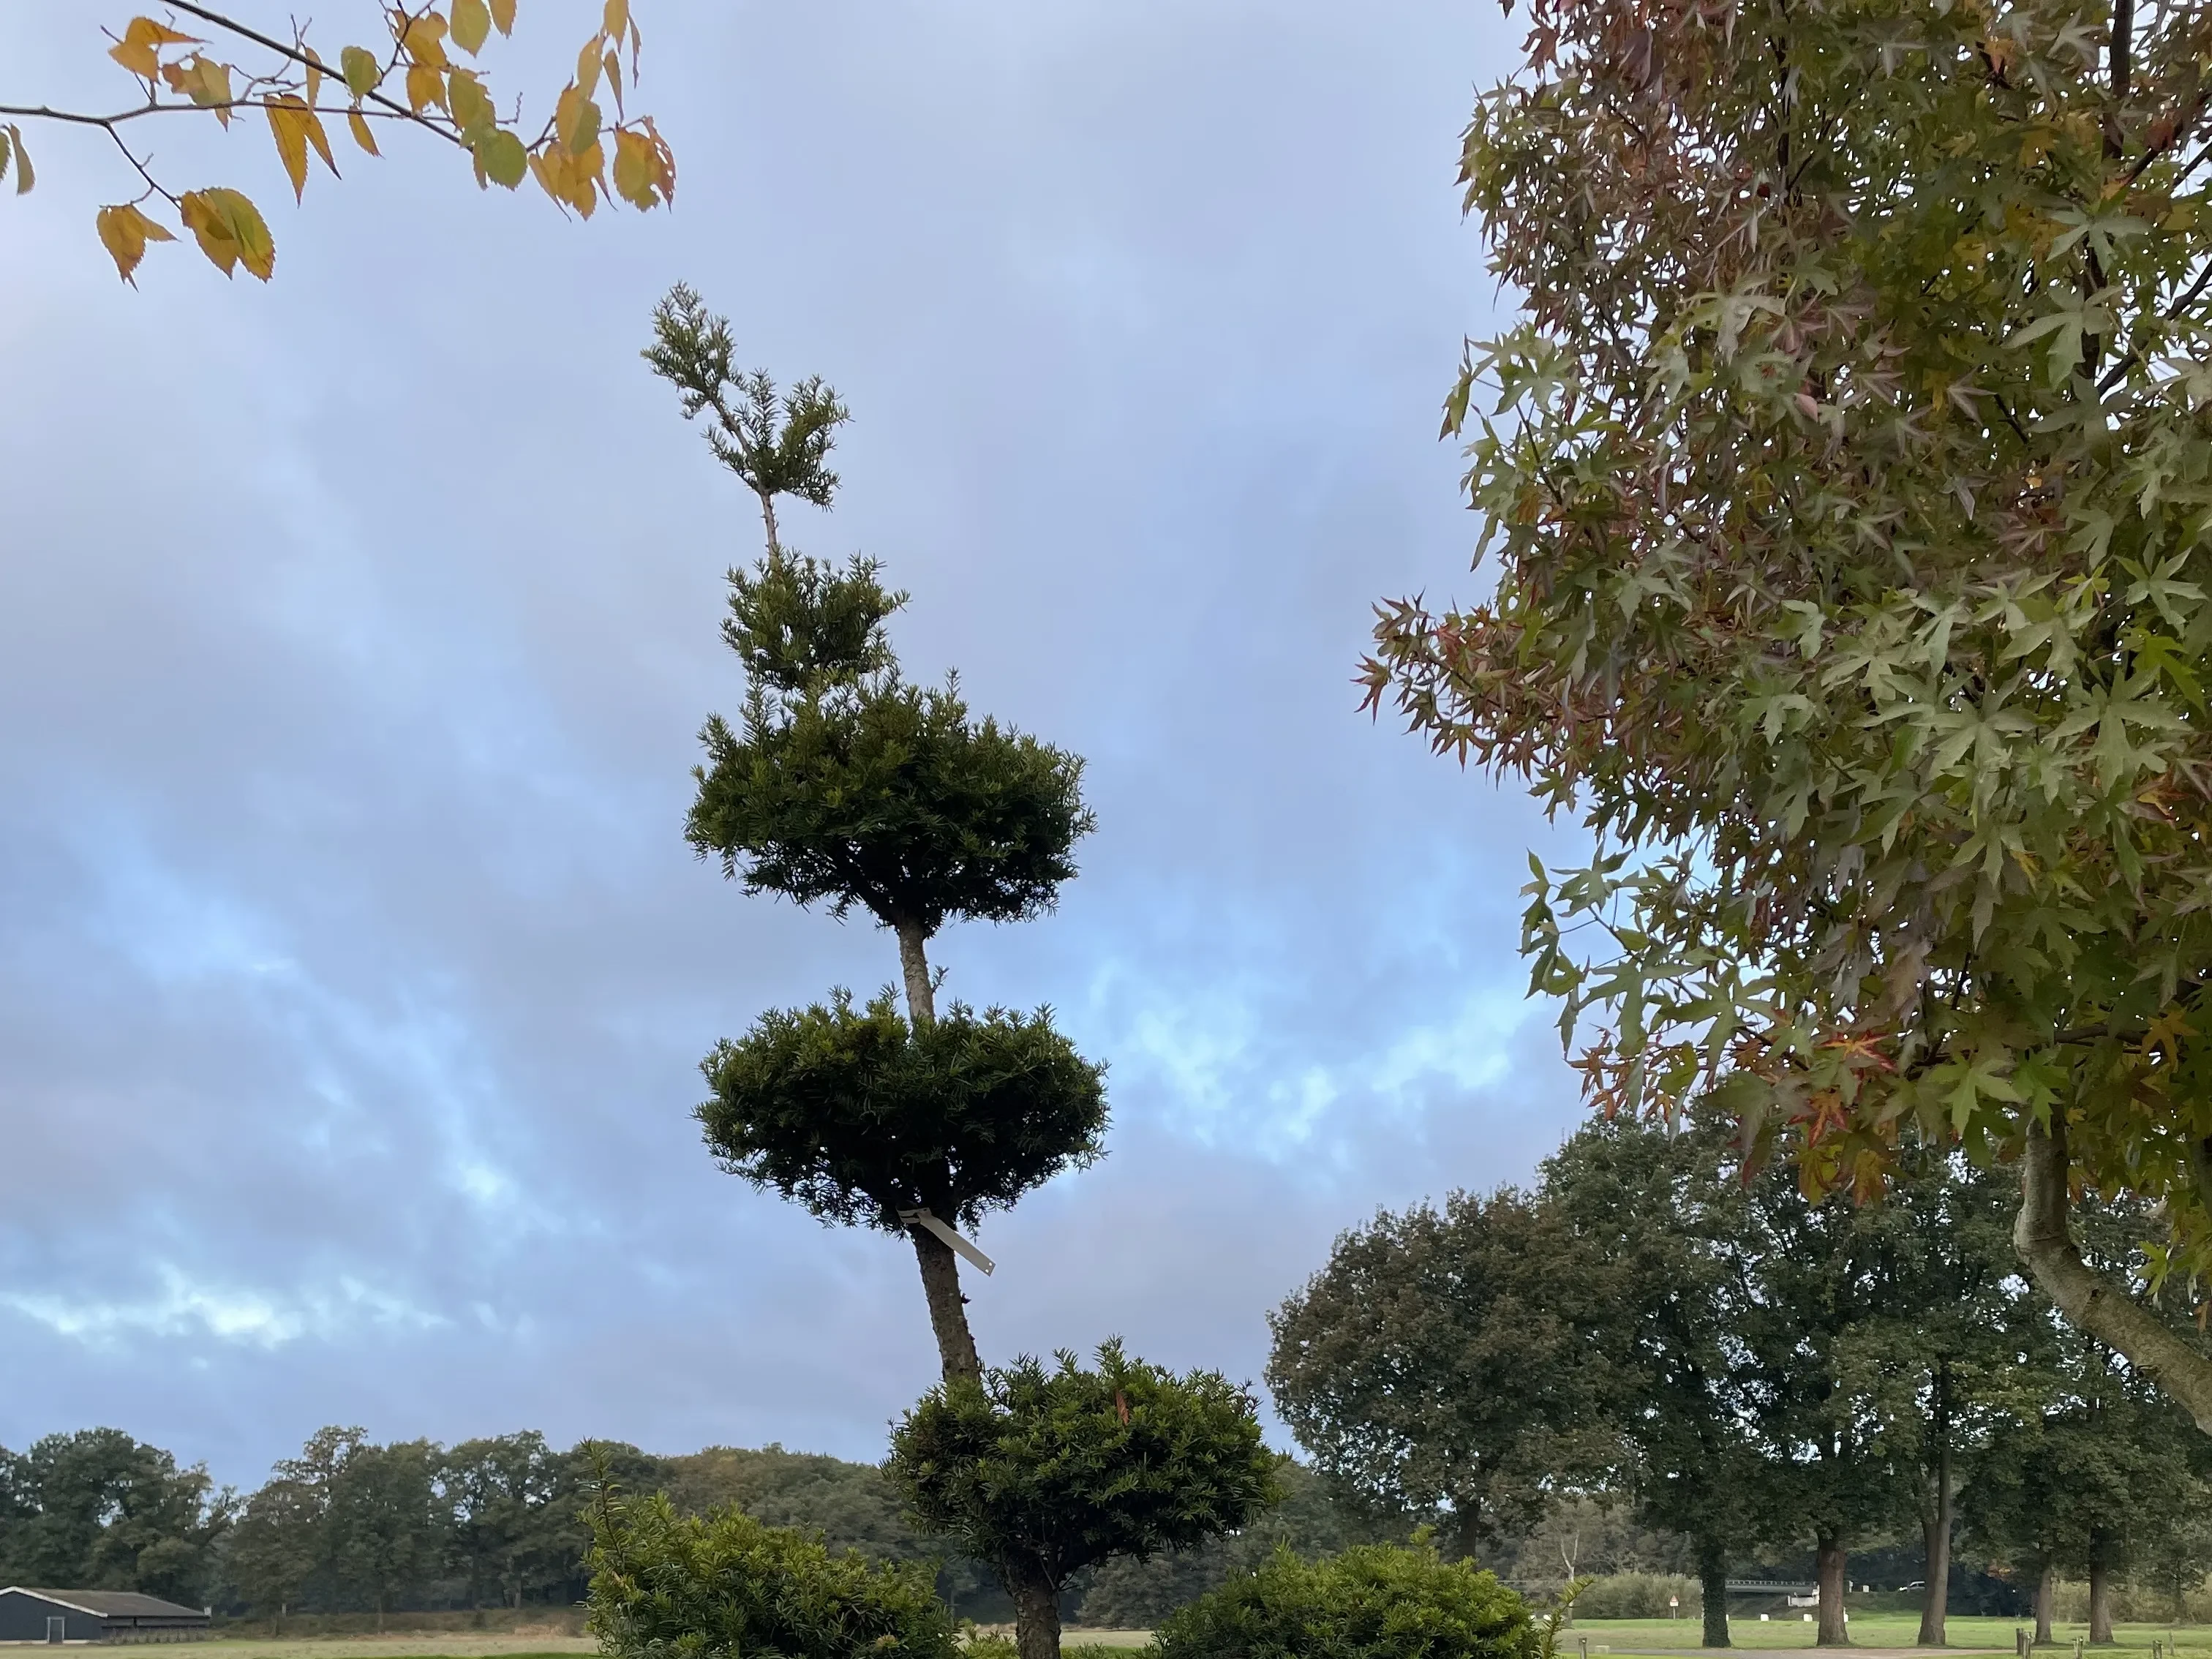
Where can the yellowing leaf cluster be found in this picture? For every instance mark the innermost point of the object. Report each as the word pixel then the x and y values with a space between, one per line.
pixel 415 77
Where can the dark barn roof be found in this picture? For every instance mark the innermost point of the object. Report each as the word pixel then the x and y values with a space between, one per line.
pixel 110 1604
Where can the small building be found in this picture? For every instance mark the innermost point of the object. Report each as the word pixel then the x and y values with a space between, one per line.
pixel 73 1616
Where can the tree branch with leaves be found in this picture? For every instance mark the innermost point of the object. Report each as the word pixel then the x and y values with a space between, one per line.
pixel 412 78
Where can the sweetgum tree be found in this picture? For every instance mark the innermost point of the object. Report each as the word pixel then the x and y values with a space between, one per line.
pixel 844 785
pixel 1847 470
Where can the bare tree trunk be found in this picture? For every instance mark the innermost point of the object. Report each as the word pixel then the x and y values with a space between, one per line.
pixel 1712 1588
pixel 948 1308
pixel 1830 1555
pixel 913 962
pixel 1037 1614
pixel 2101 1604
pixel 2046 1593
pixel 2095 1305
pixel 1935 1523
pixel 940 1269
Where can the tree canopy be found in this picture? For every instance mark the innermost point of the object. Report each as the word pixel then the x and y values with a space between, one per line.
pixel 1044 1471
pixel 1844 472
pixel 411 77
pixel 1746 1367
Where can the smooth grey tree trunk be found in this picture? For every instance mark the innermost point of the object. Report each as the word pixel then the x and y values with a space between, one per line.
pixel 2046 1595
pixel 2100 1605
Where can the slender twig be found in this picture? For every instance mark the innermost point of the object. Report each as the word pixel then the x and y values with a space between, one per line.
pixel 296 55
pixel 45 113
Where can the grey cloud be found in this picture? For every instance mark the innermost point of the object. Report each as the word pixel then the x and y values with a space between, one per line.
pixel 353 972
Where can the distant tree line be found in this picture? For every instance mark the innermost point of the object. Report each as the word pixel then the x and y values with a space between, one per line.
pixel 1765 1377
pixel 350 1526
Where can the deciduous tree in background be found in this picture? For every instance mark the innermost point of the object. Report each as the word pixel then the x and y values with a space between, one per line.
pixel 418 74
pixel 847 786
pixel 1844 471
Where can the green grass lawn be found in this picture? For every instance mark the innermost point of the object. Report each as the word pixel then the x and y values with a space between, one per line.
pixel 407 1645
pixel 1620 1637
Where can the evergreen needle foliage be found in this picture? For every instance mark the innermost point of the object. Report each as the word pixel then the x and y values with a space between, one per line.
pixel 844 785
pixel 1044 1472
pixel 857 1115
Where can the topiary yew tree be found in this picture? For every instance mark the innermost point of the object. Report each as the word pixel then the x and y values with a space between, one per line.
pixel 1848 469
pixel 845 785
pixel 1042 1473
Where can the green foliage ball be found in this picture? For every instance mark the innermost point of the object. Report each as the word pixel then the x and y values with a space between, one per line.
pixel 1044 1472
pixel 723 1585
pixel 855 1114
pixel 1373 1601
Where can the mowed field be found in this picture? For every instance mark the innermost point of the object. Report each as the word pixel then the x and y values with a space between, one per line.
pixel 1616 1639
pixel 1879 1631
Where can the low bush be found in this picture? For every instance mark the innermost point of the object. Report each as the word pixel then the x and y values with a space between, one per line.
pixel 1372 1601
pixel 1638 1595
pixel 722 1584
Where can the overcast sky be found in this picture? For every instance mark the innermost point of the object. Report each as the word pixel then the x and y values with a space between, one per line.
pixel 354 972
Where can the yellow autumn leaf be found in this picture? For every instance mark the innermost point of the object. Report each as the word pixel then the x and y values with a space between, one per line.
pixel 361 135
pixel 210 87
pixel 588 65
pixel 472 24
pixel 139 49
pixel 424 38
pixel 615 22
pixel 230 231
pixel 315 72
pixel 125 232
pixel 24 177
pixel 503 15
pixel 613 65
pixel 426 87
pixel 634 169
pixel 290 132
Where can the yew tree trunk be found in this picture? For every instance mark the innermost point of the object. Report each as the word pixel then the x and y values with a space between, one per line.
pixel 1831 1556
pixel 1712 1589
pixel 1036 1614
pixel 1936 1518
pixel 940 1269
pixel 948 1308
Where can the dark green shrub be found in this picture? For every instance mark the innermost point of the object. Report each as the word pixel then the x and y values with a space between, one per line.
pixel 1638 1595
pixel 723 1585
pixel 1373 1601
